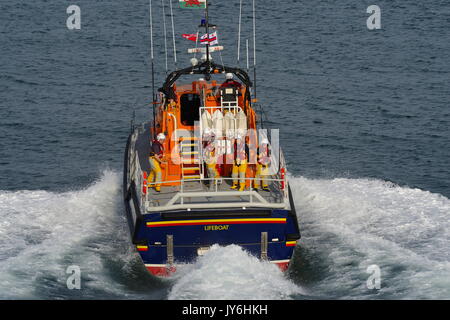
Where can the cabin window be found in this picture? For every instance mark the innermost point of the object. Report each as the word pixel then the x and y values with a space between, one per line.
pixel 190 112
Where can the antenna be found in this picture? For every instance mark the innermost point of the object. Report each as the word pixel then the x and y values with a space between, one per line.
pixel 153 70
pixel 165 33
pixel 246 49
pixel 207 36
pixel 239 32
pixel 173 35
pixel 254 48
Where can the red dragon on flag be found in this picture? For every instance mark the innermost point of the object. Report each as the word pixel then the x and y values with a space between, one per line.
pixel 193 4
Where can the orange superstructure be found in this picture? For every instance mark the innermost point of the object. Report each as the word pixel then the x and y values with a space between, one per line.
pixel 179 118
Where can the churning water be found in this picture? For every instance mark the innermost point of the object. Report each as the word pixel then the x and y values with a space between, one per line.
pixel 347 224
pixel 364 125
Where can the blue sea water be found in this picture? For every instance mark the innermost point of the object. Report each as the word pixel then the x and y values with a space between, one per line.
pixel 364 124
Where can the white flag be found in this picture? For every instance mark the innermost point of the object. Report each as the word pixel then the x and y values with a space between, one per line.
pixel 212 39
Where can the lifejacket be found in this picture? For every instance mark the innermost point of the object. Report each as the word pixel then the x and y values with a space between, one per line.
pixel 171 106
pixel 264 155
pixel 241 151
pixel 156 149
pixel 209 153
pixel 231 83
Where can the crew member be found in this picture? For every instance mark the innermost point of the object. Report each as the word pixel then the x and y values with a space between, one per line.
pixel 262 165
pixel 229 82
pixel 171 105
pixel 241 156
pixel 156 158
pixel 210 156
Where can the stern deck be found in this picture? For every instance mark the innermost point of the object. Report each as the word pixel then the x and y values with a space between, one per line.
pixel 198 195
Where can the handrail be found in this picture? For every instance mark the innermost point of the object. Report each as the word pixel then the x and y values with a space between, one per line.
pixel 282 165
pixel 175 125
pixel 171 204
pixel 217 206
pixel 139 179
pixel 239 108
pixel 221 178
pixel 255 199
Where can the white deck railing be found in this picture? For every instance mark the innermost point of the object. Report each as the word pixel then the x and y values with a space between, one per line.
pixel 213 196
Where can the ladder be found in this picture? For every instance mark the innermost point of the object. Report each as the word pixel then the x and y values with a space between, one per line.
pixel 191 166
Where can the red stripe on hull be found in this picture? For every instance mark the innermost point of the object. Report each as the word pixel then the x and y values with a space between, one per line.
pixel 161 271
pixel 208 223
pixel 164 271
pixel 283 265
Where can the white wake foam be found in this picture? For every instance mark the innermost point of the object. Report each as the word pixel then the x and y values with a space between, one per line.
pixel 42 233
pixel 347 225
pixel 231 273
pixel 354 223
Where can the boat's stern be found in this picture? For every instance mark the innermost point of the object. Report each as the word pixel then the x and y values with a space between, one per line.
pixel 164 240
pixel 181 222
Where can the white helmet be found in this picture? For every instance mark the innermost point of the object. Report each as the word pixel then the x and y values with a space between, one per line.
pixel 229 76
pixel 161 136
pixel 264 141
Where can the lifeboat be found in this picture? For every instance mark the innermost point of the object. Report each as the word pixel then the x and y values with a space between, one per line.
pixel 203 195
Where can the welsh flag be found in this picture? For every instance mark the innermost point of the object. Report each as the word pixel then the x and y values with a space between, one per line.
pixel 193 4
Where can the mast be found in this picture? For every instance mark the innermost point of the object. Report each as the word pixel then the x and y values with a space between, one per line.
pixel 207 41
